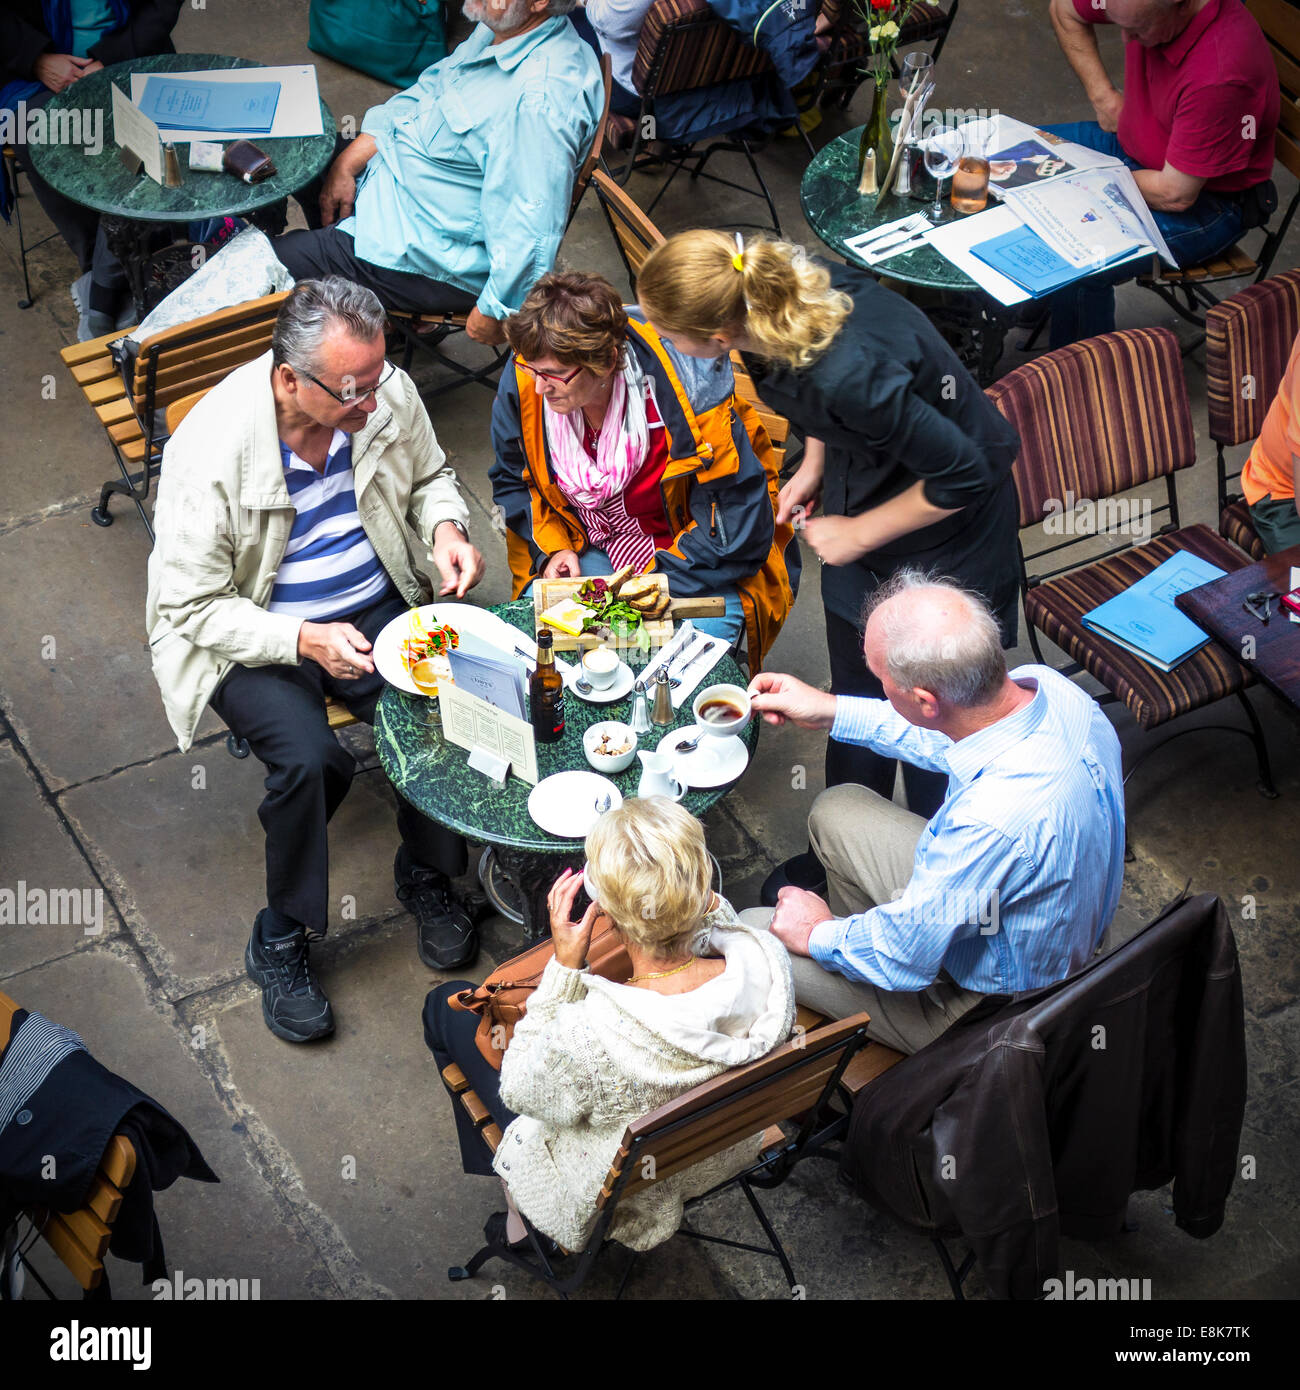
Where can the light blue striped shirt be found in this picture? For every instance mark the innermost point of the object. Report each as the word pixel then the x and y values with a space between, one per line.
pixel 474 165
pixel 329 569
pixel 1019 872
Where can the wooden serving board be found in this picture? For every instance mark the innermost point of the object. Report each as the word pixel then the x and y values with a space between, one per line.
pixel 547 592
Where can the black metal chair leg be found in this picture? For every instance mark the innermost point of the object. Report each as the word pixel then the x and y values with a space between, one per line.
pixel 774 1240
pixel 955 1276
pixel 26 301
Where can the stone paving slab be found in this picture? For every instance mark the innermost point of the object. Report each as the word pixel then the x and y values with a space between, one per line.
pixel 189 865
pixel 235 1229
pixel 38 852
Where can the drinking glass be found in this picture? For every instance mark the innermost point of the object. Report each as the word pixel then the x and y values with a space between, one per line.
pixel 943 152
pixel 918 71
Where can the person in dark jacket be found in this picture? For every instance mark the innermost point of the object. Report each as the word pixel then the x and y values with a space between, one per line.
pixel 45 47
pixel 908 460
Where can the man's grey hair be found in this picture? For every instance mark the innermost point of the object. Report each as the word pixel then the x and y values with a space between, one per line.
pixel 963 665
pixel 313 309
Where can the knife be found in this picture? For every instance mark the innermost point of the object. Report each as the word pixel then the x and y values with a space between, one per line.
pixel 865 240
pixel 908 244
pixel 708 646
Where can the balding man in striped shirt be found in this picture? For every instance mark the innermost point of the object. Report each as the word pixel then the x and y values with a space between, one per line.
pixel 1012 883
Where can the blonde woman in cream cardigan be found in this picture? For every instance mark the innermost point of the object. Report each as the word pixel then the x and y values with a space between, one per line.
pixel 706 993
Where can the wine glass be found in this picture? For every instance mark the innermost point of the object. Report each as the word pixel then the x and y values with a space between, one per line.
pixel 943 153
pixel 918 71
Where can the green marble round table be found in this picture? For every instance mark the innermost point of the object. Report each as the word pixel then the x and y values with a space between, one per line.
pixel 432 774
pixel 972 321
pixel 101 181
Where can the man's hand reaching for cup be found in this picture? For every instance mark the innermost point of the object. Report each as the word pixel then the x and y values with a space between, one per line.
pixel 778 697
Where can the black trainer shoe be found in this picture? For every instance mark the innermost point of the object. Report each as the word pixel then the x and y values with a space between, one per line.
pixel 293 1004
pixel 802 871
pixel 445 933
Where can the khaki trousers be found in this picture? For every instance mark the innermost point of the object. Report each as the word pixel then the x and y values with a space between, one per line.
pixel 867 845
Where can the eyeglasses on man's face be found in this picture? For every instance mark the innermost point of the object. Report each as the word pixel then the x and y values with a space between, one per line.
pixel 351 396
pixel 555 378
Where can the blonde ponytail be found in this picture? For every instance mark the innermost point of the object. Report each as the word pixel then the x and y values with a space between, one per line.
pixel 702 282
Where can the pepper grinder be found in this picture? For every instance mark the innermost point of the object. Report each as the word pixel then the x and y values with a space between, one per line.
pixel 639 721
pixel 662 714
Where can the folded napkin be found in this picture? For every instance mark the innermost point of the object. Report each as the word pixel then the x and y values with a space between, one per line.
pixel 699 667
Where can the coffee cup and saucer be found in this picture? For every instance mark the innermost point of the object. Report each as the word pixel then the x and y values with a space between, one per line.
pixel 722 713
pixel 610 677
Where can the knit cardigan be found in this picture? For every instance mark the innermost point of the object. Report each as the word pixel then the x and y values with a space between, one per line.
pixel 591 1055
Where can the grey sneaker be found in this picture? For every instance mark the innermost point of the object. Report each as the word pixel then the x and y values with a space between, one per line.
pixel 293 1004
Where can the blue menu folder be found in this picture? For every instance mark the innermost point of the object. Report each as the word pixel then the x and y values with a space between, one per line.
pixel 1023 256
pixel 481 669
pixel 1145 621
pixel 190 104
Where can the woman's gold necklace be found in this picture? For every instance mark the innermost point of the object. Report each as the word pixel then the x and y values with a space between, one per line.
pixel 664 974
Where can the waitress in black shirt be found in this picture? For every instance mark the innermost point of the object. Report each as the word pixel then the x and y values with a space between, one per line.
pixel 906 461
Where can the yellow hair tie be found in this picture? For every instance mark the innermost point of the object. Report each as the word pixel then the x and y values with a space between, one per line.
pixel 738 261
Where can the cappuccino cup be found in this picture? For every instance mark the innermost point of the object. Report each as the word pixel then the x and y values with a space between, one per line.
pixel 601 666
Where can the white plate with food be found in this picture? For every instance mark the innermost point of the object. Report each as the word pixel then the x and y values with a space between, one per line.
pixel 565 803
pixel 404 641
pixel 714 762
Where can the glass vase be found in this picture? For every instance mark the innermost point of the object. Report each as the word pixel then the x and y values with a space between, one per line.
pixel 877 139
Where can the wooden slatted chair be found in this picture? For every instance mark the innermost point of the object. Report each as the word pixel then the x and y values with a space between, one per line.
pixel 685 46
pixel 801 1078
pixel 1098 419
pixel 428 331
pixel 338 714
pixel 80 1238
pixel 1248 341
pixel 1184 289
pixel 9 172
pixel 845 65
pixel 170 365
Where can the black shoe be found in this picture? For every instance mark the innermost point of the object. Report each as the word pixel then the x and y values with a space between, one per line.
pixel 803 871
pixel 445 934
pixel 494 1232
pixel 293 1004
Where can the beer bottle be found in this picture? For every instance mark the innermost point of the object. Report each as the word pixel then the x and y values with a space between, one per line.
pixel 546 692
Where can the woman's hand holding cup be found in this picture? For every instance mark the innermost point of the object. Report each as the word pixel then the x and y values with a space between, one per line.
pixel 571 938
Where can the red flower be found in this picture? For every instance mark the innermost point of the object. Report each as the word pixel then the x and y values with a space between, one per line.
pixel 881 4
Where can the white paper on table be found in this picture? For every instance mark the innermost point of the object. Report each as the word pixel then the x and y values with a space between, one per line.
pixel 296 113
pixel 953 241
pixel 1003 132
pixel 133 130
pixel 701 668
pixel 472 723
pixel 1105 202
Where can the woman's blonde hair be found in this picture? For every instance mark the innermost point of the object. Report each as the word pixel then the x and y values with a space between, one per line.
pixel 576 318
pixel 648 868
pixel 700 282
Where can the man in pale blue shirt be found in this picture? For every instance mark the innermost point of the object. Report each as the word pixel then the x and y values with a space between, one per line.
pixel 455 195
pixel 1012 883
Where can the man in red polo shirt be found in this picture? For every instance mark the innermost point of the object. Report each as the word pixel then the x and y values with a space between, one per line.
pixel 1195 122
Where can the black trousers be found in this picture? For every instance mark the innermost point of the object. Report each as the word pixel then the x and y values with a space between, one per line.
pixel 449 1034
pixel 280 710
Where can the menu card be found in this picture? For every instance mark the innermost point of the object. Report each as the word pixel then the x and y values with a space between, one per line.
pixel 472 723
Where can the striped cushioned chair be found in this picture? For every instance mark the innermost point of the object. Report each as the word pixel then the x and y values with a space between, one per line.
pixel 1248 340
pixel 1097 419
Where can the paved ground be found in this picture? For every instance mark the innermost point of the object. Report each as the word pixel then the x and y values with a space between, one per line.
pixel 338 1163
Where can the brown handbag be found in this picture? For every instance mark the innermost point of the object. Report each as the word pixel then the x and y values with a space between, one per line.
pixel 502 999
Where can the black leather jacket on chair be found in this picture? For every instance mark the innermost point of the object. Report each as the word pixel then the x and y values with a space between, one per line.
pixel 1036 1116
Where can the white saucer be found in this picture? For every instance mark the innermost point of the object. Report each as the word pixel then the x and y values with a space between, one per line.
pixel 617 689
pixel 564 804
pixel 714 763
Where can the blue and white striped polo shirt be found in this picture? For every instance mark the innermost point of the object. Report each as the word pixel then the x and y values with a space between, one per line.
pixel 329 568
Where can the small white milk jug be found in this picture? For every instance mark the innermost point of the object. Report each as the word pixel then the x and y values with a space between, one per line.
pixel 657 776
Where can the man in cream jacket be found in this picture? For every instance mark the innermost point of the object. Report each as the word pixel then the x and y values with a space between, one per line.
pixel 290 505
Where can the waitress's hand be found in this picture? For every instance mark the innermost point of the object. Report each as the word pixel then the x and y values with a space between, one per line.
pixel 804 491
pixel 571 938
pixel 838 540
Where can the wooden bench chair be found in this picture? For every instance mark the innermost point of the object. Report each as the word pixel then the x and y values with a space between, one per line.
pixel 79 1238
pixel 800 1081
pixel 338 714
pixel 9 171
pixel 1184 288
pixel 428 331
pixel 1248 342
pixel 172 364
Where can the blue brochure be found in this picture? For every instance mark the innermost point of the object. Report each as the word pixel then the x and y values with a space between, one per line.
pixel 1144 620
pixel 1023 256
pixel 247 108
pixel 479 668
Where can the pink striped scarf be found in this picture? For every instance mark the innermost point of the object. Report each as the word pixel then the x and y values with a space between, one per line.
pixel 621 448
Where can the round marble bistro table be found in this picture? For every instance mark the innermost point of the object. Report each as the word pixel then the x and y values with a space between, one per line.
pixel 432 774
pixel 971 320
pixel 130 202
